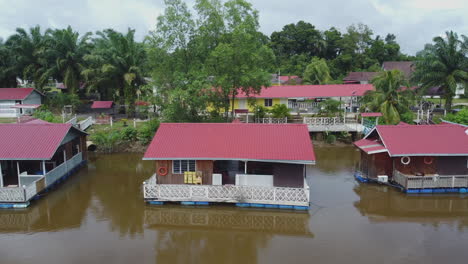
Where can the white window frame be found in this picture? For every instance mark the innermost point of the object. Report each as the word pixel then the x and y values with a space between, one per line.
pixel 188 167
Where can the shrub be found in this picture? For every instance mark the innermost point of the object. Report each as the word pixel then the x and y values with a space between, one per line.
pixel 106 141
pixel 331 139
pixel 461 117
pixel 47 115
pixel 59 100
pixel 330 106
pixel 260 111
pixel 146 132
pixel 129 134
pixel 280 111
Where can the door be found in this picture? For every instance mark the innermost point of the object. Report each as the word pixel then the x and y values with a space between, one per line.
pixel 242 104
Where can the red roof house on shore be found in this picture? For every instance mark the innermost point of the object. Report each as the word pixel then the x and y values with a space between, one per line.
pixel 232 155
pixel 34 155
pixel 359 77
pixel 405 151
pixel 19 101
pixel 102 104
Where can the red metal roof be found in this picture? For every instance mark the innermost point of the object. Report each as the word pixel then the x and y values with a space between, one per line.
pixel 315 91
pixel 423 140
pixel 288 143
pixel 15 93
pixel 360 76
pixel 371 114
pixel 31 141
pixel 102 104
pixel 370 146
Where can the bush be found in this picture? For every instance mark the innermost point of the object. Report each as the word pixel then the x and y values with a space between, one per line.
pixel 280 111
pixel 461 117
pixel 106 141
pixel 260 111
pixel 47 115
pixel 129 134
pixel 146 132
pixel 59 100
pixel 330 106
pixel 331 139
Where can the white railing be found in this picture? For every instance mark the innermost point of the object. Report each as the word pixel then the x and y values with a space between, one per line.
pixel 62 169
pixel 227 194
pixel 303 105
pixel 84 124
pixel 324 121
pixel 72 121
pixel 430 181
pixel 271 120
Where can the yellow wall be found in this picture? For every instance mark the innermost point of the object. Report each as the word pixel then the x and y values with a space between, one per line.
pixel 258 101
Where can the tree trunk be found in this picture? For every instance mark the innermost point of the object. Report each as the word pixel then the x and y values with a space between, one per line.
pixel 232 104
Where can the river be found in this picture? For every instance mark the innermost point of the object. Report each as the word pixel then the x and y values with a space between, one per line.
pixel 98 216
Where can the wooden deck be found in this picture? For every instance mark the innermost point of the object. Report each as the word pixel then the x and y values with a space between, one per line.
pixel 430 181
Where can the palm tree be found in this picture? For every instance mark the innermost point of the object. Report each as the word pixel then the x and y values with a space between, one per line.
pixel 391 97
pixel 116 63
pixel 443 64
pixel 66 50
pixel 28 50
pixel 7 67
pixel 317 72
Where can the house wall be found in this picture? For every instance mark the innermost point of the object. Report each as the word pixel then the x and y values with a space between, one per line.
pixel 376 164
pixel 5 110
pixel 33 98
pixel 440 165
pixel 284 175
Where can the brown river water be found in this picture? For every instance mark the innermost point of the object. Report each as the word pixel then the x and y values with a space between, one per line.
pixel 98 216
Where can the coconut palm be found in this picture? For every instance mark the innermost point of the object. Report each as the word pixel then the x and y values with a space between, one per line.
pixel 443 63
pixel 391 97
pixel 66 49
pixel 115 66
pixel 28 51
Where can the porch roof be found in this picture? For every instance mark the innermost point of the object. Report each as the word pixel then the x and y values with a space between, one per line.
pixel 286 143
pixel 31 141
pixel 370 146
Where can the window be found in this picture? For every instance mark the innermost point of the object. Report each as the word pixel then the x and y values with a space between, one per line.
pixel 181 166
pixel 268 102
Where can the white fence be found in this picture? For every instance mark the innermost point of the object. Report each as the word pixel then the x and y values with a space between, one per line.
pixel 430 181
pixel 271 120
pixel 307 106
pixel 324 121
pixel 73 121
pixel 227 194
pixel 62 169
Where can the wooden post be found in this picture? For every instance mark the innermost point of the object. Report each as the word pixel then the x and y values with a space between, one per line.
pixel 1 175
pixel 43 167
pixel 17 168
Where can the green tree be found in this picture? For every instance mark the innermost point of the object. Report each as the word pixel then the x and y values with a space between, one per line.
pixel 443 63
pixel 241 62
pixel 330 106
pixel 280 111
pixel 28 48
pixel 391 98
pixel 115 66
pixel 7 67
pixel 66 49
pixel 461 117
pixel 317 72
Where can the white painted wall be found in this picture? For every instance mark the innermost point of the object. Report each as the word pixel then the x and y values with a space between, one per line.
pixel 254 180
pixel 6 110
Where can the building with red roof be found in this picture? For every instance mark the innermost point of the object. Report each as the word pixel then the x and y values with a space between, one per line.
pixel 359 77
pixel 19 101
pixel 227 161
pixel 34 155
pixel 417 157
pixel 303 98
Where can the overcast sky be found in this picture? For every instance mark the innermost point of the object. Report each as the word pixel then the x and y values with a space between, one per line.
pixel 414 22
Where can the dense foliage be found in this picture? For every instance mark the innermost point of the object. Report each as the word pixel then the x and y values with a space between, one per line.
pixel 461 117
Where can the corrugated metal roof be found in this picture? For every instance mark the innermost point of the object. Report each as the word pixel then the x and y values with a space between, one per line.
pixel 102 104
pixel 370 146
pixel 289 143
pixel 315 91
pixel 31 141
pixel 360 76
pixel 15 93
pixel 414 140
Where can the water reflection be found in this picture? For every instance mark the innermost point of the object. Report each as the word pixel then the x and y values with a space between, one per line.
pixel 384 204
pixel 220 234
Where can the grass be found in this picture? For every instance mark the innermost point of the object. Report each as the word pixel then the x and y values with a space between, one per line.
pixel 442 101
pixel 6 120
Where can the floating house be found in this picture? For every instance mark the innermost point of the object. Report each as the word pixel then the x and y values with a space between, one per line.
pixel 258 165
pixel 303 98
pixel 36 155
pixel 416 158
pixel 15 102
